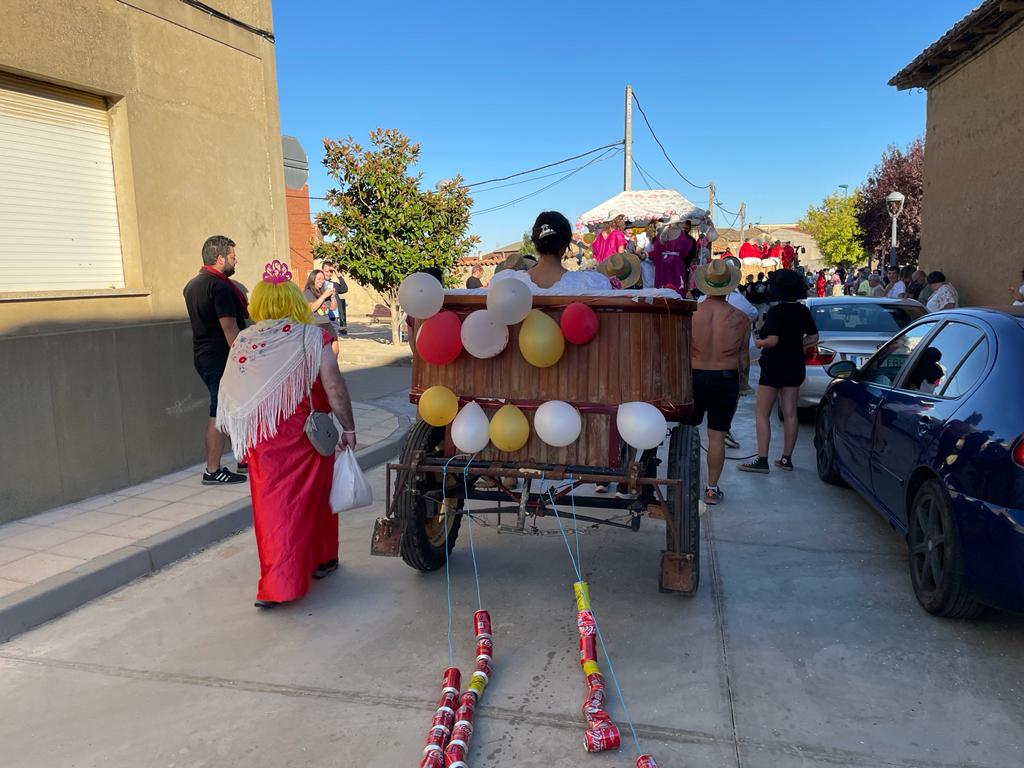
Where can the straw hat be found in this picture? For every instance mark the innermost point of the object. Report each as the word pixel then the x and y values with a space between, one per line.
pixel 717 278
pixel 517 261
pixel 624 266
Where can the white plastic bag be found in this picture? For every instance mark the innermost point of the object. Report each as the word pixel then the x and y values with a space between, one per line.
pixel 755 351
pixel 349 489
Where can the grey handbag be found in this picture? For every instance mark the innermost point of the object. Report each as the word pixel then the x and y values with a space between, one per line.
pixel 320 427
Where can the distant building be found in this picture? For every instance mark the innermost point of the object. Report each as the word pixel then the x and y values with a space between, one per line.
pixel 129 133
pixel 973 162
pixel 810 257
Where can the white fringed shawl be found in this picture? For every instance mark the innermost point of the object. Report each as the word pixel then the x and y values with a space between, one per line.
pixel 270 370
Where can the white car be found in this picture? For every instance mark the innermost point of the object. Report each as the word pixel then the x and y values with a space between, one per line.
pixel 850 328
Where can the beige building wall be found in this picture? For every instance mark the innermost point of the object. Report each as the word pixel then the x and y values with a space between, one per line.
pixel 101 389
pixel 974 174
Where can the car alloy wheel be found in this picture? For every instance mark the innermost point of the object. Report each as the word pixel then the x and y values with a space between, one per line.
pixel 935 558
pixel 825 447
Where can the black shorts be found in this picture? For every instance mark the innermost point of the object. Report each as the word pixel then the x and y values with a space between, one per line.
pixel 782 374
pixel 716 393
pixel 210 374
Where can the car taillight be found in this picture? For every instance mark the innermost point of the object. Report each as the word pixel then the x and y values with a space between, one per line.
pixel 1018 452
pixel 819 356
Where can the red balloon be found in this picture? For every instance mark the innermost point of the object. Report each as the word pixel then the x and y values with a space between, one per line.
pixel 439 339
pixel 579 323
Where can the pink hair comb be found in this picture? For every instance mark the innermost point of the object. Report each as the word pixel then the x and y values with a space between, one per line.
pixel 276 272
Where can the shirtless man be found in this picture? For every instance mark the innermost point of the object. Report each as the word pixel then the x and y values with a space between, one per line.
pixel 719 333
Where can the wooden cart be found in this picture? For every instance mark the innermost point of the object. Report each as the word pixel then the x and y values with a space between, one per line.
pixel 641 352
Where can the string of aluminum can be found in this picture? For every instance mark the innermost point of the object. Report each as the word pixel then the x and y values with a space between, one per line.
pixel 602 734
pixel 443 721
pixel 457 750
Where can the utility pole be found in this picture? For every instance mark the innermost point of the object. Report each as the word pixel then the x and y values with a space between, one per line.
pixel 743 217
pixel 627 155
pixel 711 201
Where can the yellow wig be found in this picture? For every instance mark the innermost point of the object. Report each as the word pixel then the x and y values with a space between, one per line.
pixel 278 301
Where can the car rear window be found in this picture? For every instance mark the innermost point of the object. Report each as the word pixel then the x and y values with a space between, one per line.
pixel 865 317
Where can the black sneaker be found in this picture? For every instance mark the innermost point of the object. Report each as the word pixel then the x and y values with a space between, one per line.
pixel 243 467
pixel 730 441
pixel 223 476
pixel 325 569
pixel 713 495
pixel 758 465
pixel 785 463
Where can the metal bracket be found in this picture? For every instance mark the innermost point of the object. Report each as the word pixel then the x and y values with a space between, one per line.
pixel 386 535
pixel 677 573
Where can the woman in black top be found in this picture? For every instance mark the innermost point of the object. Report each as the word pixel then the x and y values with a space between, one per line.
pixel 787 331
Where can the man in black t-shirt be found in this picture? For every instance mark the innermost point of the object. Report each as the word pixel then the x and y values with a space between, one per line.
pixel 218 310
pixel 474 280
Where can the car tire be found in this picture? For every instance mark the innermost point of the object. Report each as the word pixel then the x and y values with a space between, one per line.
pixel 825 447
pixel 935 558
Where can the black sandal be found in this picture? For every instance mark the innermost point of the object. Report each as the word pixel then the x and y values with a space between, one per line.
pixel 325 569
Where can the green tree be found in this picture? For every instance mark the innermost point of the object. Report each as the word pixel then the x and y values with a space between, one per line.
pixel 526 247
pixel 380 225
pixel 833 224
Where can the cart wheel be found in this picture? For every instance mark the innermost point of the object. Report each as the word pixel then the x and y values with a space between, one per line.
pixel 425 523
pixel 682 574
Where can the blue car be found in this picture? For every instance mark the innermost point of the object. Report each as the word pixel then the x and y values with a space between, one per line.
pixel 930 430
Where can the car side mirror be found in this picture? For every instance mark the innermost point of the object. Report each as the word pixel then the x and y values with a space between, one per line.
pixel 844 369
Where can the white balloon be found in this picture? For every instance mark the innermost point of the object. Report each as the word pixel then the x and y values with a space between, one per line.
pixel 557 423
pixel 483 335
pixel 421 296
pixel 641 425
pixel 510 300
pixel 469 430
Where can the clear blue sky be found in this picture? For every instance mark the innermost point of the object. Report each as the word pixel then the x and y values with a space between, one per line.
pixel 777 102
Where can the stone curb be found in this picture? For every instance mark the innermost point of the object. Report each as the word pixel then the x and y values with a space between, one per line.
pixel 53 597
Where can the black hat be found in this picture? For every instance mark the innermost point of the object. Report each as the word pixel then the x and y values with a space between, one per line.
pixel 786 285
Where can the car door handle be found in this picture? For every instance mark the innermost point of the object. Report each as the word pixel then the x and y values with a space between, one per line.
pixel 924 424
pixel 872 408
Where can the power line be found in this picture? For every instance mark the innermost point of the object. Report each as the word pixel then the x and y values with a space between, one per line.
pixel 549 165
pixel 640 170
pixel 646 174
pixel 527 181
pixel 663 150
pixel 609 152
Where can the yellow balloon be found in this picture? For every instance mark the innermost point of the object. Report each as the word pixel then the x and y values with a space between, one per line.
pixel 541 340
pixel 509 429
pixel 588 238
pixel 438 406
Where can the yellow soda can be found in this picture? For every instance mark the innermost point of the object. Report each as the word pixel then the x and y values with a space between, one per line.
pixel 582 593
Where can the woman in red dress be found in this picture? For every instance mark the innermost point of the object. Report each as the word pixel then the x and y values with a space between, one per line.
pixel 279 369
pixel 819 286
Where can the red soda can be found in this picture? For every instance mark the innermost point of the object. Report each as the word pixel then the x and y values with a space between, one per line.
pixel 595 681
pixel 646 761
pixel 433 759
pixel 483 664
pixel 482 623
pixel 437 738
pixel 468 699
pixel 601 739
pixel 449 699
pixel 588 648
pixel 484 646
pixel 452 678
pixel 443 718
pixel 585 623
pixel 454 753
pixel 462 731
pixel 464 714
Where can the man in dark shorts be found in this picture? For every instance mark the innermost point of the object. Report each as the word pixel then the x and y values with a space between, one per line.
pixel 218 310
pixel 719 333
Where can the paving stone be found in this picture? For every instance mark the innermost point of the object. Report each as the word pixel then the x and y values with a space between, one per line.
pixel 38 566
pixel 90 545
pixel 136 528
pixel 42 537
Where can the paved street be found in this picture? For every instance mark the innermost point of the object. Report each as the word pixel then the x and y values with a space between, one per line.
pixel 804 647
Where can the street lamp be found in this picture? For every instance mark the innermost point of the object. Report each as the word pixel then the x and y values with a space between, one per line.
pixel 845 188
pixel 894 201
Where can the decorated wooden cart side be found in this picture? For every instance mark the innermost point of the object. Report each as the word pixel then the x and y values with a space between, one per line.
pixel 640 353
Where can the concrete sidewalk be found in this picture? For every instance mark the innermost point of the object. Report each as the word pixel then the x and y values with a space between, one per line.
pixel 57 560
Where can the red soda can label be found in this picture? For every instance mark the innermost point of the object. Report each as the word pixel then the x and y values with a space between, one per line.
pixel 464 714
pixel 485 645
pixel 443 718
pixel 462 731
pixel 437 738
pixel 482 623
pixel 452 678
pixel 483 664
pixel 433 760
pixel 454 753
pixel 646 761
pixel 468 699
pixel 449 699
pixel 588 649
pixel 601 739
pixel 585 623
pixel 595 681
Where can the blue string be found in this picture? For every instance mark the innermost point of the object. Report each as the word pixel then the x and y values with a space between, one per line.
pixel 472 549
pixel 600 637
pixel 447 574
pixel 575 525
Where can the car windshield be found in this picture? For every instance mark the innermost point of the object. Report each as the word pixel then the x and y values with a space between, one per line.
pixel 865 317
